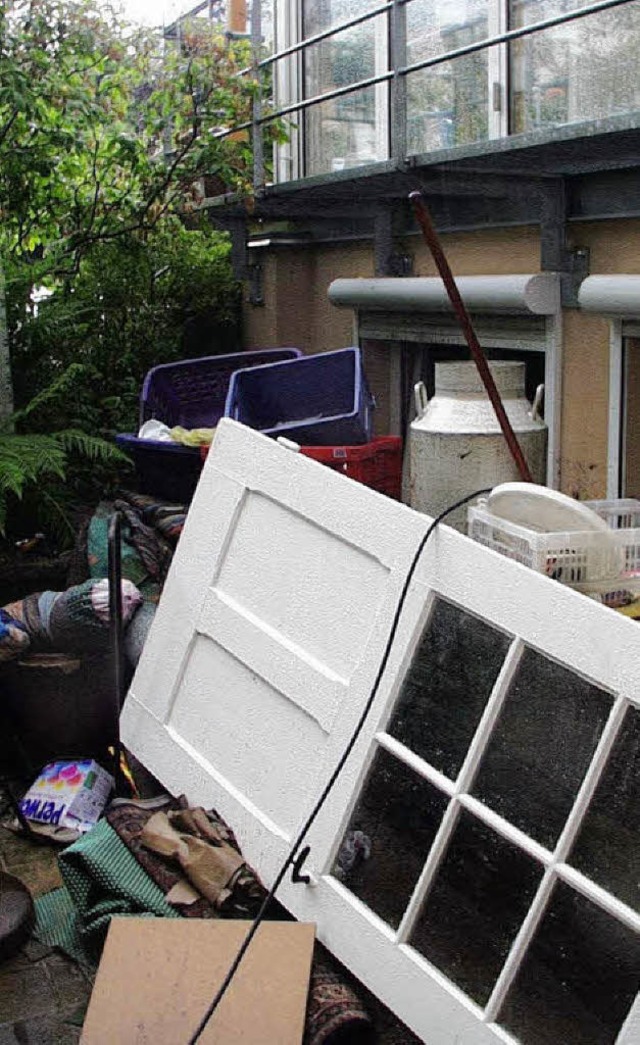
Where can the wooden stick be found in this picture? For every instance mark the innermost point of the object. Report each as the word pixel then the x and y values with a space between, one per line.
pixel 431 238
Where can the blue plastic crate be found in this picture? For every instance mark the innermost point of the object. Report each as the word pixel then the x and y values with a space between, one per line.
pixel 192 392
pixel 166 470
pixel 317 400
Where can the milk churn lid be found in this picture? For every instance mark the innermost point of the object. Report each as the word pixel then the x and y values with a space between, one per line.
pixel 463 378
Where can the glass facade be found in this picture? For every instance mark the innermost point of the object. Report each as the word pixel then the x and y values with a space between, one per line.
pixel 582 70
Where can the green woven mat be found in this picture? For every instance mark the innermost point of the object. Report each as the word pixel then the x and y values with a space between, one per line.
pixel 101 879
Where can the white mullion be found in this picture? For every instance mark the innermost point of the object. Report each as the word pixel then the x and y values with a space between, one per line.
pixel 599 896
pixel 615 466
pixel 519 946
pixel 497 70
pixel 506 830
pixel 465 776
pixel 489 717
pixel 429 871
pixel 417 764
pixel 381 90
pixel 565 841
pixel 591 780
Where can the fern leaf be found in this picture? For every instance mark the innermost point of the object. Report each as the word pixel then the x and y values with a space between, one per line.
pixel 61 385
pixel 90 446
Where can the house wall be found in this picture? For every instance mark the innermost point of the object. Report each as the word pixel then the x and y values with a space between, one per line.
pixel 297 312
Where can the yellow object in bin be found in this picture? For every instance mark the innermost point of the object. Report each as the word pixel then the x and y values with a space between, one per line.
pixel 192 436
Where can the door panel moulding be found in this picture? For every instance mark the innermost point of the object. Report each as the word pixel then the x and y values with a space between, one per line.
pixel 262 656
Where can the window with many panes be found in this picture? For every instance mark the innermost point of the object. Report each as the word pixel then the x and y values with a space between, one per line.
pixel 496 832
pixel 585 69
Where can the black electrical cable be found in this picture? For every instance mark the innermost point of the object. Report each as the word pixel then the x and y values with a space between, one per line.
pixel 291 858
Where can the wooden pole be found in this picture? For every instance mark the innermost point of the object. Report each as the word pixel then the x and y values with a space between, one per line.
pixel 431 238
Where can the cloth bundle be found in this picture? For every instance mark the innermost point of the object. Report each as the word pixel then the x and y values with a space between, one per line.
pixel 76 619
pixel 14 637
pixel 210 864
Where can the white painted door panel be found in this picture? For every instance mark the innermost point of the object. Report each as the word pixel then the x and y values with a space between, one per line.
pixel 498 732
pixel 280 591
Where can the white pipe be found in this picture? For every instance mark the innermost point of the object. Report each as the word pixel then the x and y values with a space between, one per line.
pixel 538 293
pixel 611 295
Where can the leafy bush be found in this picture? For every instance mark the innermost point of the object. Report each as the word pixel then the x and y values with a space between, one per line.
pixel 133 304
pixel 35 466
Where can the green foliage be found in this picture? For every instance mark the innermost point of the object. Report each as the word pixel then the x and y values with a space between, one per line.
pixel 132 305
pixel 105 134
pixel 38 463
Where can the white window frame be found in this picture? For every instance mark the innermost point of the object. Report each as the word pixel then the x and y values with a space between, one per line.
pixel 619 329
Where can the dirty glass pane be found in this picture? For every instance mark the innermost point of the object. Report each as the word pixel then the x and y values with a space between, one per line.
pixel 579 977
pixel 447 104
pixel 389 835
pixel 541 746
pixel 447 686
pixel 347 131
pixel 584 70
pixel 608 845
pixel 476 906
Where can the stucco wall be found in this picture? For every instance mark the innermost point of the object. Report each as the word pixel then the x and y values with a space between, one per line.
pixel 297 312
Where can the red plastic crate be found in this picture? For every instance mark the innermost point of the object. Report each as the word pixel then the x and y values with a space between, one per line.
pixel 377 464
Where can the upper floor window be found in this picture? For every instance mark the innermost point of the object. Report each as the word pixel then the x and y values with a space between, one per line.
pixel 579 70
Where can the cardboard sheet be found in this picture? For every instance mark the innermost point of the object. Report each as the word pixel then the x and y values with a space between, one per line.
pixel 157 976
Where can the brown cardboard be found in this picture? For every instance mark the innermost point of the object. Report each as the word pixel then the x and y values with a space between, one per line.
pixel 157 976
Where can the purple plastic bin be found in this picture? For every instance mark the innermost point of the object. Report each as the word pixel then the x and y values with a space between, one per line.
pixel 320 400
pixel 192 392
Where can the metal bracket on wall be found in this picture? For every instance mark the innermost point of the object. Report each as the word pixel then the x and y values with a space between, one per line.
pixel 555 256
pixel 386 228
pixel 237 228
pixel 256 284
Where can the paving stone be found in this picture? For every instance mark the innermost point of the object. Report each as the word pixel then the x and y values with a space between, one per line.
pixel 39 876
pixel 25 992
pixel 40 1031
pixel 72 985
pixel 34 950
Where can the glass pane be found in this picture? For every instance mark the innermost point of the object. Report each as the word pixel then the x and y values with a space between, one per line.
pixel 347 131
pixel 446 105
pixel 447 686
pixel 608 846
pixel 475 908
pixel 541 746
pixel 579 977
pixel 389 836
pixel 584 70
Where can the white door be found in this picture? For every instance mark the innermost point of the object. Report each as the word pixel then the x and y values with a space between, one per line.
pixel 477 864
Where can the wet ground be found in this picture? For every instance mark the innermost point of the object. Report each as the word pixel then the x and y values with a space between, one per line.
pixel 43 995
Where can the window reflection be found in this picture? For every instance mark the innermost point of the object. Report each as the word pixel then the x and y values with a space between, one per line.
pixel 583 70
pixel 541 747
pixel 608 845
pixel 579 977
pixel 447 686
pixel 477 904
pixel 389 836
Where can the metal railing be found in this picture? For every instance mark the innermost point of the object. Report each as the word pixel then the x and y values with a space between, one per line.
pixel 395 75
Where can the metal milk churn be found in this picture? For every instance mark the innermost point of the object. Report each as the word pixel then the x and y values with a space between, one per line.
pixel 456 443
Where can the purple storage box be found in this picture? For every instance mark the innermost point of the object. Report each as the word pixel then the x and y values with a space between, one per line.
pixel 190 393
pixel 320 400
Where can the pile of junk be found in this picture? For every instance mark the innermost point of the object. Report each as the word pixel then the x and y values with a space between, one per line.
pixel 67 658
pixel 475 454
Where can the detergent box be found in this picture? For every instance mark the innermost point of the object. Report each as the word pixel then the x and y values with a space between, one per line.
pixel 68 794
